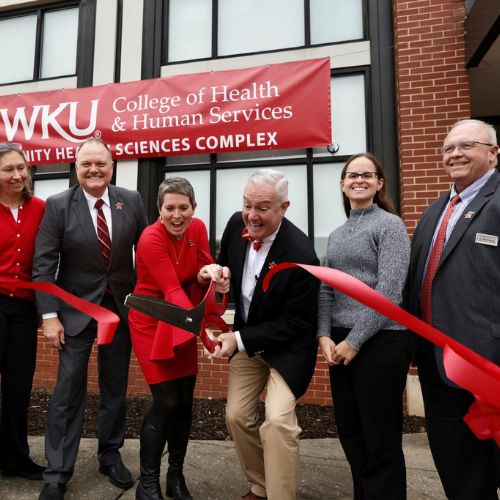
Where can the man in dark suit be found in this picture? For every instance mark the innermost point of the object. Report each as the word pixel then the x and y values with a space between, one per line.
pixel 86 247
pixel 457 291
pixel 274 335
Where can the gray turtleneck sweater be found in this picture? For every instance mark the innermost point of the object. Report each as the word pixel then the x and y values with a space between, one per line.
pixel 373 246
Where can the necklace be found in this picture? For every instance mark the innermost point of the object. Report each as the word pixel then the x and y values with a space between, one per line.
pixel 177 257
pixel 352 227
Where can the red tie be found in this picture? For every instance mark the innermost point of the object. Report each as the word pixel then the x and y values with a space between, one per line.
pixel 255 242
pixel 103 232
pixel 432 265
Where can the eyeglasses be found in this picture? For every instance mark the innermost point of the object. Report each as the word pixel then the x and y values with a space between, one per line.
pixel 10 146
pixel 364 175
pixel 448 149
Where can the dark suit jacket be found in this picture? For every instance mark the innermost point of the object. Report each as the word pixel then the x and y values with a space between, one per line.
pixel 466 288
pixel 281 324
pixel 67 252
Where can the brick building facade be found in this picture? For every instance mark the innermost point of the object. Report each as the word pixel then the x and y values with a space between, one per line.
pixel 427 56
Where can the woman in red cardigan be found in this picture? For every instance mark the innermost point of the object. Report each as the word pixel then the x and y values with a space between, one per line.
pixel 173 262
pixel 20 216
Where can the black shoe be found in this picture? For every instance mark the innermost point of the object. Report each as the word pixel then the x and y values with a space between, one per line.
pixel 148 491
pixel 118 474
pixel 52 491
pixel 176 486
pixel 29 471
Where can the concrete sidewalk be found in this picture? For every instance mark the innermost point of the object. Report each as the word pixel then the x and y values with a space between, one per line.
pixel 212 472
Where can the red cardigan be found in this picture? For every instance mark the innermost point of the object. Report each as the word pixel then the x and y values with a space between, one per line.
pixel 167 268
pixel 17 243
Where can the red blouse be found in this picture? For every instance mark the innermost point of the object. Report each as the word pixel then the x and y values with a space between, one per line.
pixel 167 268
pixel 17 244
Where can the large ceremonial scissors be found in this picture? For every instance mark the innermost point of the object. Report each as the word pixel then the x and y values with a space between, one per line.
pixel 196 320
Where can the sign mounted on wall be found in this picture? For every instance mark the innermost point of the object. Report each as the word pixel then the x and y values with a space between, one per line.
pixel 278 106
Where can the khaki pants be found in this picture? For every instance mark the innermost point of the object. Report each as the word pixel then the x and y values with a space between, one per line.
pixel 269 454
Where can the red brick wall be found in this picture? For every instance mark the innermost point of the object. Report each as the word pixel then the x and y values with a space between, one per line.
pixel 432 93
pixel 211 383
pixel 432 90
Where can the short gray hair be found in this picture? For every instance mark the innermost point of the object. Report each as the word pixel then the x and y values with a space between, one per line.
pixel 490 130
pixel 175 185
pixel 272 177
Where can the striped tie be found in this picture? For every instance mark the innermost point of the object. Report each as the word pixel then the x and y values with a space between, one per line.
pixel 103 232
pixel 433 263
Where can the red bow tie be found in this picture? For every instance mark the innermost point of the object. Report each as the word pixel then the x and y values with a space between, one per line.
pixel 255 242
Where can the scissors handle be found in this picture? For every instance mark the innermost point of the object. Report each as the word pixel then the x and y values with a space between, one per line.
pixel 216 321
pixel 210 344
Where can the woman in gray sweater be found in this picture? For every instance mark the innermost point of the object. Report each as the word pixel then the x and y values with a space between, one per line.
pixel 368 354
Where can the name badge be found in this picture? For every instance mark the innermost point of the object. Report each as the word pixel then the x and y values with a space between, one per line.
pixel 487 239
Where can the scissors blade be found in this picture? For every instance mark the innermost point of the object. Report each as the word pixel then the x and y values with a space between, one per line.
pixel 187 319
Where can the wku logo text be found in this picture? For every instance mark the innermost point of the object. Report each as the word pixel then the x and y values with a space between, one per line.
pixel 62 121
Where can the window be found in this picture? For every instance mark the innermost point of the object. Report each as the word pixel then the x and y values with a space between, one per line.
pixel 60 31
pixel 336 21
pixel 50 179
pixel 17 59
pixel 38 44
pixel 328 208
pixel 280 26
pixel 43 188
pixel 348 114
pixel 203 29
pixel 190 30
pixel 223 176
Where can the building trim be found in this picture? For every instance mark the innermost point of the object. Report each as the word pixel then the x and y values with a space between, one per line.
pixel 482 28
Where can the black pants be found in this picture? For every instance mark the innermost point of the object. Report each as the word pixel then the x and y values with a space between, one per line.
pixel 368 404
pixel 67 404
pixel 469 468
pixel 18 327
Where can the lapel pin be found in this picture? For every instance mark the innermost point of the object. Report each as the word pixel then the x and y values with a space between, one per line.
pixel 272 264
pixel 190 243
pixel 469 215
pixel 118 205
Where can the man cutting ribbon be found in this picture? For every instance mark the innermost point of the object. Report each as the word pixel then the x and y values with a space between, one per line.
pixel 274 338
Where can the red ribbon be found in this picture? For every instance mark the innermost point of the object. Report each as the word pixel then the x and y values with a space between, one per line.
pixel 107 321
pixel 463 366
pixel 213 312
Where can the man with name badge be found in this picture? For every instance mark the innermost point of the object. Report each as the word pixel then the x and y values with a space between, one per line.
pixel 454 284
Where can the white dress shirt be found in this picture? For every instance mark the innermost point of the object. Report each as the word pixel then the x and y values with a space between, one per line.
pixel 106 208
pixel 254 261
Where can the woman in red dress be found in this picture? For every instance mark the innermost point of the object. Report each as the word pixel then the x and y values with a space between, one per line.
pixel 20 216
pixel 173 263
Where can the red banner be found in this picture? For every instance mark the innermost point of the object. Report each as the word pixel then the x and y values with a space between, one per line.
pixel 277 106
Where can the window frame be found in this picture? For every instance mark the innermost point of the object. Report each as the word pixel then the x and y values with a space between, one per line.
pixel 40 12
pixel 380 107
pixel 48 176
pixel 308 160
pixel 215 24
